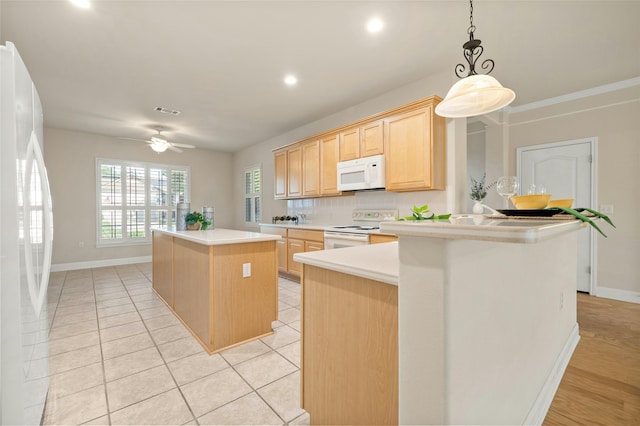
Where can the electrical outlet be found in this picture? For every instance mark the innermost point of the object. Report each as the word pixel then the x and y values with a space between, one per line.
pixel 246 270
pixel 606 208
pixel 561 299
pixel 81 244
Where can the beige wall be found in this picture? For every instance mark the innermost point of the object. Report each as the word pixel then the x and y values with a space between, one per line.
pixel 613 119
pixel 71 160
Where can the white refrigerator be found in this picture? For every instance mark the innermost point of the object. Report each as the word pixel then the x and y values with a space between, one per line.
pixel 26 238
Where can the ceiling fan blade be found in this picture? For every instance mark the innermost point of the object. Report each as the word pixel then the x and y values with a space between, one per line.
pixel 135 139
pixel 173 148
pixel 182 145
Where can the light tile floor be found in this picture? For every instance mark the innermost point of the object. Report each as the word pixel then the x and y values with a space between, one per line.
pixel 117 355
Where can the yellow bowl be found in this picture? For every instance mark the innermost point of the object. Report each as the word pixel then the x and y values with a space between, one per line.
pixel 561 203
pixel 530 202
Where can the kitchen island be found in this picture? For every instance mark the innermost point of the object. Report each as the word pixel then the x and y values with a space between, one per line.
pixel 221 283
pixel 486 321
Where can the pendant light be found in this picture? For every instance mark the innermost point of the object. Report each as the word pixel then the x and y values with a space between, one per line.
pixel 475 94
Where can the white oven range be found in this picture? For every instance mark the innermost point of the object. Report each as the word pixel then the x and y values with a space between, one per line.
pixel 357 233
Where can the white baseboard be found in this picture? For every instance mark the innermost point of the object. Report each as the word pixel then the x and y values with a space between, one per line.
pixel 541 405
pixel 617 294
pixel 99 263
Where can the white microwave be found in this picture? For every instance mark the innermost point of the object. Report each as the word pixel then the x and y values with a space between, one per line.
pixel 363 173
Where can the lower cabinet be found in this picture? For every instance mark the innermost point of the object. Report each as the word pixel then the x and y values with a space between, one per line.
pixel 294 246
pixel 294 241
pixel 381 238
pixel 281 246
pixel 349 358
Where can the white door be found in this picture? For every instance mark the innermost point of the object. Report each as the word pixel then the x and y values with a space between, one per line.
pixel 567 170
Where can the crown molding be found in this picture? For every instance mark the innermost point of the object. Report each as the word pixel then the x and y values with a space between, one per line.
pixel 612 87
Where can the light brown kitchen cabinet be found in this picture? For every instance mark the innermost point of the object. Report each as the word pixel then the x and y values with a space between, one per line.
pixel 294 171
pixel 301 240
pixel 280 174
pixel 372 139
pixel 294 246
pixel 294 240
pixel 411 137
pixel 414 147
pixel 350 144
pixel 349 358
pixel 281 245
pixel 381 238
pixel 329 155
pixel 311 168
pixel 313 246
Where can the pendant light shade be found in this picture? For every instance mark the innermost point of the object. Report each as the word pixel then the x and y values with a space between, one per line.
pixel 475 95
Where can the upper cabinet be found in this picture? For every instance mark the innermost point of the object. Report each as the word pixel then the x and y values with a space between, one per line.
pixel 294 171
pixel 362 141
pixel 411 137
pixel 311 168
pixel 329 156
pixel 350 144
pixel 415 150
pixel 371 139
pixel 280 174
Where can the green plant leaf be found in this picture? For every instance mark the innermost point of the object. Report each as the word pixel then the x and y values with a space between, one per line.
pixel 580 216
pixel 596 213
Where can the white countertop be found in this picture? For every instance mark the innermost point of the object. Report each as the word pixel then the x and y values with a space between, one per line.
pixel 487 228
pixel 378 262
pixel 217 236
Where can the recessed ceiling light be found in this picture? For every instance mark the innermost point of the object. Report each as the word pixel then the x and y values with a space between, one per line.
pixel 375 25
pixel 81 3
pixel 290 80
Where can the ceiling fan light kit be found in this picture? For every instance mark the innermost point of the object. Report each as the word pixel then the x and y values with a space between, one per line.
pixel 475 94
pixel 158 144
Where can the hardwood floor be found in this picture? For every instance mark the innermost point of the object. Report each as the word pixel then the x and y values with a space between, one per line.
pixel 602 383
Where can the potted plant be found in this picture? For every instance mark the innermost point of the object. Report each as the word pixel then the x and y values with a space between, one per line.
pixel 195 221
pixel 478 192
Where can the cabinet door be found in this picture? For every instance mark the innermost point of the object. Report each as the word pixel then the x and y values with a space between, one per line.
pixel 294 172
pixel 372 140
pixel 409 152
pixel 329 154
pixel 281 246
pixel 293 247
pixel 311 168
pixel 280 174
pixel 350 144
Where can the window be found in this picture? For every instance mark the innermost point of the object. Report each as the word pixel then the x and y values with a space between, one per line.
pixel 252 195
pixel 132 197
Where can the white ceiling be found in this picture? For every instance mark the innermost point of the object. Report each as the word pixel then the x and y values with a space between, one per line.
pixel 221 63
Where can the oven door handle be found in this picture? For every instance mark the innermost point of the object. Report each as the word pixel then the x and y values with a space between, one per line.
pixel 346 237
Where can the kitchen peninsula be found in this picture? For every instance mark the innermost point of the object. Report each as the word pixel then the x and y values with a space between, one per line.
pixel 221 283
pixel 485 323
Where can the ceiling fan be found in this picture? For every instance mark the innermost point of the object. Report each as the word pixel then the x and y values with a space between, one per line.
pixel 160 144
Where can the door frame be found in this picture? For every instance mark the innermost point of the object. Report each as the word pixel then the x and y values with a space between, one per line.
pixel 593 145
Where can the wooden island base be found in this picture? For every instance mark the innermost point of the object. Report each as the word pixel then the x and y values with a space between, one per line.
pixel 204 285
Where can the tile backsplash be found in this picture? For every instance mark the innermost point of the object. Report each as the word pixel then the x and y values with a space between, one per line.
pixel 337 210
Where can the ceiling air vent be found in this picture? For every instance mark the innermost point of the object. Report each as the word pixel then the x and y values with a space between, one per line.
pixel 167 110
